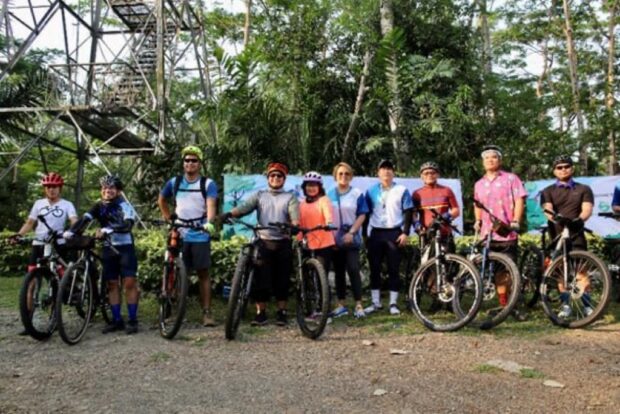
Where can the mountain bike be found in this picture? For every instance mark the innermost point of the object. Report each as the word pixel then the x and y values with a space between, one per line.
pixel 243 277
pixel 82 290
pixel 37 296
pixel 499 275
pixel 613 247
pixel 532 262
pixel 575 288
pixel 172 296
pixel 446 291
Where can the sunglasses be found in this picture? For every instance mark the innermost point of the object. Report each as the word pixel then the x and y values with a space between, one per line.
pixel 346 174
pixel 429 173
pixel 563 167
pixel 276 175
pixel 191 160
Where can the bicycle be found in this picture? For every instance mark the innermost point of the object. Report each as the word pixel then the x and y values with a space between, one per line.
pixel 497 271
pixel 37 296
pixel 172 296
pixel 241 284
pixel 446 291
pixel 82 291
pixel 577 279
pixel 532 263
pixel 614 255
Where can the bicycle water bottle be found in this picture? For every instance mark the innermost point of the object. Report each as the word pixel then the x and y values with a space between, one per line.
pixel 47 250
pixel 174 238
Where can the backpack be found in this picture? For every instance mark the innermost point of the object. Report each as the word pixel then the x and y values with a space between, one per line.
pixel 177 184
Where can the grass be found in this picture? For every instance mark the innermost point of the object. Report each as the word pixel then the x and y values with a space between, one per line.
pixel 531 373
pixel 487 369
pixel 159 357
pixel 9 292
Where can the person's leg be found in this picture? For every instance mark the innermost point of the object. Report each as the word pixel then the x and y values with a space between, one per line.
pixel 282 276
pixel 353 270
pixel 375 257
pixel 340 259
pixel 261 291
pixel 128 271
pixel 393 265
pixel 111 271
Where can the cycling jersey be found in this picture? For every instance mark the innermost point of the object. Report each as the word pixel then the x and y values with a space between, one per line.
pixel 190 204
pixel 114 215
pixel 438 197
pixel 272 206
pixel 56 216
pixel 318 213
pixel 349 206
pixel 387 206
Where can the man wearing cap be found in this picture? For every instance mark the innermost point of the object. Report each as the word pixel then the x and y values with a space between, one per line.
pixel 574 201
pixel 389 223
pixel 504 195
pixel 273 205
pixel 434 196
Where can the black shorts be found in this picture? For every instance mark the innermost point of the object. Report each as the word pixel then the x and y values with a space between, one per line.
pixel 509 248
pixel 197 255
pixel 38 251
pixel 123 264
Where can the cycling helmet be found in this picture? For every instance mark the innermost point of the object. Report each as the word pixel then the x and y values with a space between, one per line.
pixel 192 150
pixel 491 148
pixel 562 159
pixel 111 181
pixel 312 177
pixel 52 179
pixel 429 165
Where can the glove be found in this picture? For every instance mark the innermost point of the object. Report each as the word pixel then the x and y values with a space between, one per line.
pixel 447 216
pixel 106 230
pixel 477 225
pixel 68 234
pixel 576 225
pixel 514 225
pixel 224 217
pixel 173 217
pixel 209 227
pixel 14 238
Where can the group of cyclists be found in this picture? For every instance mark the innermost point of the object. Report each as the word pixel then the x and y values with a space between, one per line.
pixel 381 217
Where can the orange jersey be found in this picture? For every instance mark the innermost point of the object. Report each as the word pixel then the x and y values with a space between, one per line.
pixel 318 213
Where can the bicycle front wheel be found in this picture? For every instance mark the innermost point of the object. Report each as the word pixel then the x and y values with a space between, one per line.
pixel 583 298
pixel 74 307
pixel 531 263
pixel 37 301
pixel 445 293
pixel 172 298
pixel 312 299
pixel 500 282
pixel 239 293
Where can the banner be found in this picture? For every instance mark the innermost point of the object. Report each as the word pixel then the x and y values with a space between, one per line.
pixel 238 187
pixel 603 189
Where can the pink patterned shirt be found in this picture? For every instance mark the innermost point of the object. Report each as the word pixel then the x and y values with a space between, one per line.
pixel 499 195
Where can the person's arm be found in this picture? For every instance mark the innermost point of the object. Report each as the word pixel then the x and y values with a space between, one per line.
pixel 586 210
pixel 407 206
pixel 162 200
pixel 548 206
pixel 293 210
pixel 27 227
pixel 211 201
pixel 245 207
pixel 519 207
pixel 454 209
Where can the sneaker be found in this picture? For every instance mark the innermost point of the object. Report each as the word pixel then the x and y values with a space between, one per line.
pixel 113 327
pixel 131 328
pixel 359 312
pixel 373 308
pixel 394 309
pixel 339 311
pixel 519 315
pixel 281 318
pixel 565 312
pixel 260 319
pixel 588 311
pixel 314 317
pixel 207 318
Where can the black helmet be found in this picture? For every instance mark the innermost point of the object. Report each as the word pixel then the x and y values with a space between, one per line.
pixel 111 181
pixel 429 165
pixel 562 159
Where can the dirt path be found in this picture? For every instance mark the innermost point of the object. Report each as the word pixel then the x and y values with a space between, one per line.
pixel 279 370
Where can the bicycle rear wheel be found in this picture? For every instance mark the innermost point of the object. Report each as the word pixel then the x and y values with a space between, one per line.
pixel 531 262
pixel 499 269
pixel 587 293
pixel 37 302
pixel 239 293
pixel 74 307
pixel 172 298
pixel 312 299
pixel 451 304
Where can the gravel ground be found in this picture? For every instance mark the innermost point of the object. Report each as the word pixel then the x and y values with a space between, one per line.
pixel 278 370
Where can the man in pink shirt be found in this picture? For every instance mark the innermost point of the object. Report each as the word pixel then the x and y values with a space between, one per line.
pixel 504 195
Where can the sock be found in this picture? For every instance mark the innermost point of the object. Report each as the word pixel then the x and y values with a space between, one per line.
pixel 564 296
pixel 393 297
pixel 585 298
pixel 132 310
pixel 376 296
pixel 116 312
pixel 503 299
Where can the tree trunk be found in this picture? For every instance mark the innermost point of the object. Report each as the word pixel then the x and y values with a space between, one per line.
pixel 610 100
pixel 246 27
pixel 574 80
pixel 359 101
pixel 483 24
pixel 400 145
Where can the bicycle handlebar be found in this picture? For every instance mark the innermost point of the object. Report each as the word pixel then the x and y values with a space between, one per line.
pixel 444 220
pixel 178 223
pixel 303 230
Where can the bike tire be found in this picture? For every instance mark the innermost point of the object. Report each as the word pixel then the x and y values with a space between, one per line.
pixel 39 290
pixel 239 293
pixel 452 306
pixel 173 298
pixel 491 312
pixel 531 269
pixel 312 299
pixel 599 284
pixel 74 303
